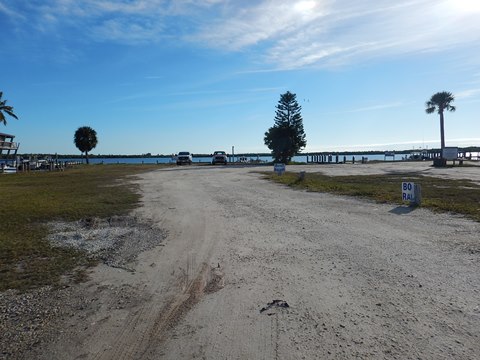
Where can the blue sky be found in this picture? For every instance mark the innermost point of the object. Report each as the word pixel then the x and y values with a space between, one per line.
pixel 161 76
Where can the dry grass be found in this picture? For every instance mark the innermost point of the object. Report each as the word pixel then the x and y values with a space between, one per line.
pixel 30 200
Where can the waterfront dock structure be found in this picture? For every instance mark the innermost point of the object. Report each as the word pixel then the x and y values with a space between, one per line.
pixel 8 153
pixel 403 155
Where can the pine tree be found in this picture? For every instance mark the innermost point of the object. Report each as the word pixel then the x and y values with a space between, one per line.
pixel 286 137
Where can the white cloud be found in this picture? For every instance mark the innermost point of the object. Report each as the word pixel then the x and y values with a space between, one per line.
pixel 383 146
pixel 376 107
pixel 124 21
pixel 246 26
pixel 127 30
pixel 10 13
pixel 188 93
pixel 465 94
pixel 335 32
pixel 277 34
pixel 399 145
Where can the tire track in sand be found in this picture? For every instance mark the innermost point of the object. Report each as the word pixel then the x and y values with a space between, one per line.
pixel 141 336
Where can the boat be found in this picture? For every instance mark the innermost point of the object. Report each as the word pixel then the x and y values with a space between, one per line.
pixel 418 155
pixel 8 169
pixel 389 154
pixel 37 164
pixel 8 154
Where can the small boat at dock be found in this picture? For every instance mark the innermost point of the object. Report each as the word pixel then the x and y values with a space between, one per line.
pixel 8 154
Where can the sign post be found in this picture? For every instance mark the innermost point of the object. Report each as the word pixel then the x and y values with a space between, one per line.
pixel 450 153
pixel 412 192
pixel 279 168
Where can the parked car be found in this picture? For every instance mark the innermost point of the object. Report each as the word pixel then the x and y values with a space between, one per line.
pixel 219 157
pixel 184 157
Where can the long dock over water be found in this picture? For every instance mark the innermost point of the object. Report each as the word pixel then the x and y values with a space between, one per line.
pixel 341 158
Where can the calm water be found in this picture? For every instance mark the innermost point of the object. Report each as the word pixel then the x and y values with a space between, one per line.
pixel 300 158
pixel 162 160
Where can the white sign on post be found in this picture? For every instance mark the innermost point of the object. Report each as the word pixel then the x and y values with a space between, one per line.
pixel 450 153
pixel 279 168
pixel 408 191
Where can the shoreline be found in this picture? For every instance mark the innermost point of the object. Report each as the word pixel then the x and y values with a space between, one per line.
pixel 468 149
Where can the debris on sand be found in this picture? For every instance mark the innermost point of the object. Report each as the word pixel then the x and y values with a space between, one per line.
pixel 275 303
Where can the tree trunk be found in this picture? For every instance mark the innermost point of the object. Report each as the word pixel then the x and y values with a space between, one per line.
pixel 86 156
pixel 442 132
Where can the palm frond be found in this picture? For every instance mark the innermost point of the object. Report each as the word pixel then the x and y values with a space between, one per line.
pixel 4 108
pixel 9 111
pixel 440 101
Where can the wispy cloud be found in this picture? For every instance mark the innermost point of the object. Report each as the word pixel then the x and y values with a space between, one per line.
pixel 400 145
pixel 330 33
pixel 154 77
pixel 375 107
pixel 10 12
pixel 276 34
pixel 386 145
pixel 204 93
pixel 251 25
pixel 124 21
pixel 466 94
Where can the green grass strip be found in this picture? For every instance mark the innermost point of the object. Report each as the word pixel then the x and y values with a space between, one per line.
pixel 446 195
pixel 30 200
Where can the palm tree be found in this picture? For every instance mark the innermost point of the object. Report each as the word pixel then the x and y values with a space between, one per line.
pixel 4 108
pixel 440 102
pixel 85 139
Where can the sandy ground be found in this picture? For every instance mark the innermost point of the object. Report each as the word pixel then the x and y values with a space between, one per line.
pixel 471 171
pixel 353 279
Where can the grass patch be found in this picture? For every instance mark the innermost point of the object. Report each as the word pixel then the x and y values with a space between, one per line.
pixel 457 196
pixel 30 200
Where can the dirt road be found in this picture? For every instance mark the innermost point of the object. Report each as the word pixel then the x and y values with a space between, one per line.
pixel 354 279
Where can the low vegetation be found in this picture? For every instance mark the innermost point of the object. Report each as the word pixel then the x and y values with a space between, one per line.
pixel 457 196
pixel 31 200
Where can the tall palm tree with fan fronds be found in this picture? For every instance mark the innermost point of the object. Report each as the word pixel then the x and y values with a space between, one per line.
pixel 440 102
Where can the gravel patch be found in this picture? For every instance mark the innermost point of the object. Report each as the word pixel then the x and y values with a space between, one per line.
pixel 28 320
pixel 115 241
